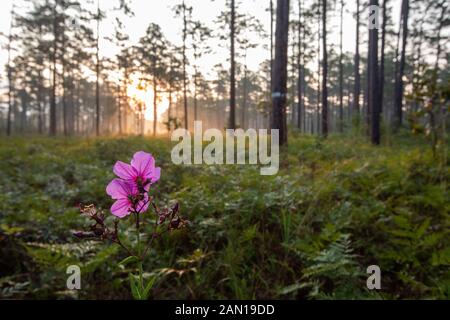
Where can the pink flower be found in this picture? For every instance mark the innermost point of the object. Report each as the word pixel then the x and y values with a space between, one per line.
pixel 142 170
pixel 128 198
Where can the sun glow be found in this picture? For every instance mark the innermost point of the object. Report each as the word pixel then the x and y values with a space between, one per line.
pixel 141 93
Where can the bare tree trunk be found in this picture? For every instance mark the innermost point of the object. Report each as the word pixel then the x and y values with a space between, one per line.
pixel 195 95
pixel 10 84
pixel 97 71
pixel 63 64
pixel 55 49
pixel 398 119
pixel 325 71
pixel 341 74
pixel 184 68
pixel 318 71
pixel 271 41
pixel 244 99
pixel 155 105
pixel 279 88
pixel 357 93
pixel 435 98
pixel 300 67
pixel 373 92
pixel 119 107
pixel 383 44
pixel 233 68
pixel 77 109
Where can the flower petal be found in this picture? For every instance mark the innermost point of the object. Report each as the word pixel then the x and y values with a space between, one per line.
pixel 118 189
pixel 155 175
pixel 121 208
pixel 124 170
pixel 143 163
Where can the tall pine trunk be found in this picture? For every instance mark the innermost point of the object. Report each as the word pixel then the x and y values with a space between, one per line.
pixel 279 87
pixel 119 107
pixel 232 67
pixel 383 44
pixel 341 73
pixel 10 84
pixel 97 71
pixel 325 71
pixel 185 103
pixel 64 84
pixel 318 70
pixel 357 92
pixel 54 57
pixel 373 100
pixel 299 66
pixel 398 118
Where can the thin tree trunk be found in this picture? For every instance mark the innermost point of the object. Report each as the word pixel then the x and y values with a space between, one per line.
pixel 325 71
pixel 318 71
pixel 279 88
pixel 155 104
pixel 119 107
pixel 341 74
pixel 195 95
pixel 63 64
pixel 10 84
pixel 383 44
pixel 373 93
pixel 97 71
pixel 357 93
pixel 399 80
pixel 55 49
pixel 244 99
pixel 233 67
pixel 184 68
pixel 435 98
pixel 299 66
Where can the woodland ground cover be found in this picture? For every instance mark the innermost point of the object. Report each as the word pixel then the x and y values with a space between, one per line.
pixel 336 207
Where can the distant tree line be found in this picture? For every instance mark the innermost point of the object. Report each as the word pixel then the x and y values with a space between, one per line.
pixel 60 83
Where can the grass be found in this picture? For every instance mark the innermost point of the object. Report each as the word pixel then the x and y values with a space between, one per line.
pixel 335 208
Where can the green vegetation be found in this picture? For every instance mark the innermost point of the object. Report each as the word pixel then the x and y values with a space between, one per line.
pixel 336 207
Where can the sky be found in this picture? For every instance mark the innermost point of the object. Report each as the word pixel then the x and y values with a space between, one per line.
pixel 207 11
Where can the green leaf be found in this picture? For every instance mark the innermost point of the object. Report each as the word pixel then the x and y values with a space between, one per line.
pixel 129 260
pixel 134 288
pixel 149 287
pixel 292 288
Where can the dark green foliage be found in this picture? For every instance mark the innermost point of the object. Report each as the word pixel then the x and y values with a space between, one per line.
pixel 336 207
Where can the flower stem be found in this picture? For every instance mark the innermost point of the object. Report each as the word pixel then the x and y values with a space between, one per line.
pixel 140 267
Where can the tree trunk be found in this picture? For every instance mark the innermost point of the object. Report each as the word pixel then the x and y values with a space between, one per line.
pixel 398 119
pixel 435 97
pixel 97 71
pixel 373 92
pixel 10 84
pixel 383 44
pixel 155 105
pixel 244 99
pixel 184 68
pixel 279 88
pixel 119 108
pixel 233 68
pixel 357 92
pixel 63 65
pixel 55 49
pixel 341 74
pixel 271 41
pixel 195 95
pixel 299 66
pixel 325 71
pixel 319 92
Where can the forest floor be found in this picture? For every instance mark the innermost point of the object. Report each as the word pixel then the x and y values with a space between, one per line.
pixel 335 208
